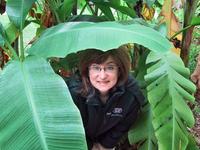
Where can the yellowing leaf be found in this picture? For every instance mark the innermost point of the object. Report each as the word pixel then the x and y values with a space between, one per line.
pixel 147 13
pixel 171 21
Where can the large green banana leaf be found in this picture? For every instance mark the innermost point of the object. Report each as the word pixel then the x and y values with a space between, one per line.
pixel 17 11
pixel 168 91
pixel 71 37
pixel 142 132
pixel 37 111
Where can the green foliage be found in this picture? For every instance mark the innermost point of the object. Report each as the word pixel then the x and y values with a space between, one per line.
pixel 107 35
pixel 37 110
pixel 142 132
pixel 168 90
pixel 17 11
pixel 11 32
pixel 195 21
pixel 61 9
pixel 2 33
pixel 69 63
pixel 105 7
pixel 194 49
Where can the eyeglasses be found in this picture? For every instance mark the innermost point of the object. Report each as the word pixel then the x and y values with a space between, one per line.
pixel 107 69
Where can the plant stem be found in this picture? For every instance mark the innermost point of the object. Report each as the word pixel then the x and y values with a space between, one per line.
pixel 21 46
pixel 180 32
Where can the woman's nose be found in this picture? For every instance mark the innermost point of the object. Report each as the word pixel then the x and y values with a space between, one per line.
pixel 102 74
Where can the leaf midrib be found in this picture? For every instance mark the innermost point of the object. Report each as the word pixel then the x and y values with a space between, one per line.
pixel 30 99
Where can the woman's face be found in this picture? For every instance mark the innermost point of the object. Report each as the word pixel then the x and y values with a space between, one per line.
pixel 104 76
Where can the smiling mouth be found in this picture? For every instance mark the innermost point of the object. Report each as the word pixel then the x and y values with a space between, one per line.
pixel 103 82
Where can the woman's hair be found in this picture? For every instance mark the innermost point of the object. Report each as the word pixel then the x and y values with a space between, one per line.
pixel 90 56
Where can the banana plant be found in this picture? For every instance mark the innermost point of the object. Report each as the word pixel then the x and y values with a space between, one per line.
pixel 66 38
pixel 168 91
pixel 105 32
pixel 37 111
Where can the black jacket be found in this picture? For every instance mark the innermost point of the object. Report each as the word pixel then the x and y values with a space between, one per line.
pixel 107 123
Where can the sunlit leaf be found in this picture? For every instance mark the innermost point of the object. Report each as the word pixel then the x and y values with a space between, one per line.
pixel 71 37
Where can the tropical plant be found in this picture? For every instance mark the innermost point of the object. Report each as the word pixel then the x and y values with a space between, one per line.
pixel 37 111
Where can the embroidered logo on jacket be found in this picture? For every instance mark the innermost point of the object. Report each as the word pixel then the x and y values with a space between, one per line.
pixel 115 112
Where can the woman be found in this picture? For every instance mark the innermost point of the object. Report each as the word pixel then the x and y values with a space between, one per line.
pixel 108 98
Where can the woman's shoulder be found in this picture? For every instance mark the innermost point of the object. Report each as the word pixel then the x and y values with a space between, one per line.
pixel 134 89
pixel 131 83
pixel 74 83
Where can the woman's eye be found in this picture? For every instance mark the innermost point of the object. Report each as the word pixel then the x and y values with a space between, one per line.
pixel 96 68
pixel 110 68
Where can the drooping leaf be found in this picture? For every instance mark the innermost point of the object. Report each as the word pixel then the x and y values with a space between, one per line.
pixel 17 11
pixel 37 111
pixel 168 91
pixel 147 12
pixel 71 37
pixel 169 18
pixel 172 22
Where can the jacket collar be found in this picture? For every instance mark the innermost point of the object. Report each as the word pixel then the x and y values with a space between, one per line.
pixel 93 97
